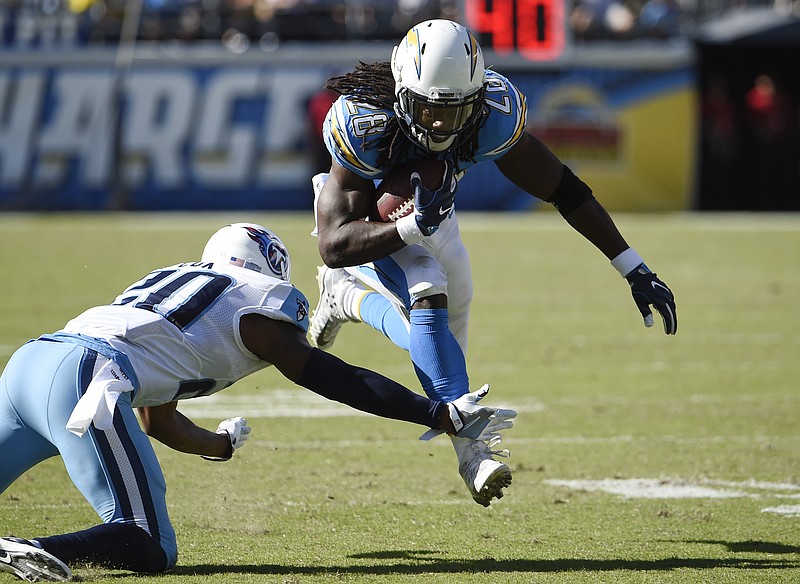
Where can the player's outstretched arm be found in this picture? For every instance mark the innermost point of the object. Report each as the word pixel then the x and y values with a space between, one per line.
pixel 167 425
pixel 533 167
pixel 286 347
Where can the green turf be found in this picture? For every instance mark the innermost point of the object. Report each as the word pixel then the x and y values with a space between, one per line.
pixel 359 499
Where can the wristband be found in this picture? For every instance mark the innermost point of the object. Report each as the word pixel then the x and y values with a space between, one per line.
pixel 627 261
pixel 455 418
pixel 214 458
pixel 409 230
pixel 220 458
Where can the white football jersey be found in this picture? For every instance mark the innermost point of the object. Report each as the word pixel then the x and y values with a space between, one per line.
pixel 179 327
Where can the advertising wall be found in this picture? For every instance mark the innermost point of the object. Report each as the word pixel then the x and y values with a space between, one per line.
pixel 174 129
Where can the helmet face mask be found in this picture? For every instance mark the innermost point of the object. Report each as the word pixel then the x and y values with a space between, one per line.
pixel 439 84
pixel 249 246
pixel 438 125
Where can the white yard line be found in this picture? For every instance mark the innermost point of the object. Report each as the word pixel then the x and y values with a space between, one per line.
pixel 649 488
pixel 677 488
pixel 787 510
pixel 293 403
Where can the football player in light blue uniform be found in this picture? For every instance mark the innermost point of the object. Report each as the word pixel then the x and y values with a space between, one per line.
pixel 411 279
pixel 183 331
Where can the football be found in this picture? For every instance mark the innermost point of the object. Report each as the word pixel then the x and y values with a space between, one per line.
pixel 394 196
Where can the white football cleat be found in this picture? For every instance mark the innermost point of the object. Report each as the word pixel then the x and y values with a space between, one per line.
pixel 30 563
pixel 329 315
pixel 484 476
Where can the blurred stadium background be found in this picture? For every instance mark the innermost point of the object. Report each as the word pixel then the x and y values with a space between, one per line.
pixel 661 105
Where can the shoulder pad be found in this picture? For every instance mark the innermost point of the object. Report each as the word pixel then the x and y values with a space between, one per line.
pixel 288 304
pixel 508 113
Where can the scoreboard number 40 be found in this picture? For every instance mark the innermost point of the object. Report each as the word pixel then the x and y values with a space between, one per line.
pixel 534 28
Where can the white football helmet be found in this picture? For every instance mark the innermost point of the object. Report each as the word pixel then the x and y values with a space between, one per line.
pixel 439 84
pixel 250 246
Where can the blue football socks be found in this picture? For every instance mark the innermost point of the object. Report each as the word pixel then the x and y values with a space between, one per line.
pixel 437 356
pixel 380 314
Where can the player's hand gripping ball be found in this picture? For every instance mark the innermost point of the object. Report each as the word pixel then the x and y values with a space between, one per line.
pixel 394 195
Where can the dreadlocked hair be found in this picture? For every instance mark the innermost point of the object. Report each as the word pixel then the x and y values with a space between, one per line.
pixel 373 84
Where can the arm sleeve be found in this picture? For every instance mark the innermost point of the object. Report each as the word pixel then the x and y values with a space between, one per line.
pixel 367 391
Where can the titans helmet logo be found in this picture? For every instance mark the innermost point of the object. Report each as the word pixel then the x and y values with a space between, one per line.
pixel 273 251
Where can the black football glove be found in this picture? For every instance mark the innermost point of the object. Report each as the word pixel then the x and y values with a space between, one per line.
pixel 647 290
pixel 433 207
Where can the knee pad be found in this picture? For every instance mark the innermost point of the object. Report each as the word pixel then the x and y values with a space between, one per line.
pixel 425 290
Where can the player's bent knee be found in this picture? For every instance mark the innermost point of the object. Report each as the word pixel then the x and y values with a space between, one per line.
pixel 170 556
pixel 159 557
pixel 430 284
pixel 158 554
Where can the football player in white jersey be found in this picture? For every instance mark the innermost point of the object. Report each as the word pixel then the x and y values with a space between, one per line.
pixel 411 279
pixel 183 331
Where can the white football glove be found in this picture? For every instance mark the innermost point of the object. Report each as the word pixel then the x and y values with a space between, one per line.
pixel 237 431
pixel 473 421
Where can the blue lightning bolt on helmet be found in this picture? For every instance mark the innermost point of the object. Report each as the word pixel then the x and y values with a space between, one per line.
pixel 250 246
pixel 439 79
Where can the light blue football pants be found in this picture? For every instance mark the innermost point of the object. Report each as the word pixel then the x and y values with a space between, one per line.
pixel 116 470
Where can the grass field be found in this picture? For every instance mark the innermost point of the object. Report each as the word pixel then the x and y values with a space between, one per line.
pixel 637 457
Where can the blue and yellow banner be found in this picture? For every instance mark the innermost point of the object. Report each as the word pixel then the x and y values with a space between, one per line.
pixel 189 132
